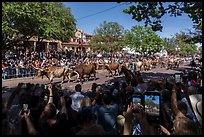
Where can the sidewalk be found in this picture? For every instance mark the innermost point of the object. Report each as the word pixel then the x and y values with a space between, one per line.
pixel 11 79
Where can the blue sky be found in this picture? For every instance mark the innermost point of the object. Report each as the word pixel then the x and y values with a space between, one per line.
pixel 156 101
pixel 171 25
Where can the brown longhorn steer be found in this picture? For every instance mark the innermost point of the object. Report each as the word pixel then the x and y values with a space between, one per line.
pixel 112 66
pixel 56 72
pixel 85 69
pixel 128 74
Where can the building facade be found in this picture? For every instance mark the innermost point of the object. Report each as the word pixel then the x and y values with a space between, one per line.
pixel 79 42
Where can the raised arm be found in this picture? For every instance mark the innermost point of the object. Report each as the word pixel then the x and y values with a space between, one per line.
pixel 14 93
pixel 51 94
pixel 63 104
pixel 174 106
pixel 146 128
pixel 128 121
pixel 30 126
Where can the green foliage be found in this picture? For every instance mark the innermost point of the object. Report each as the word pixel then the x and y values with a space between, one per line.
pixel 152 12
pixel 108 36
pixel 169 45
pixel 150 102
pixel 46 20
pixel 200 50
pixel 143 39
pixel 178 45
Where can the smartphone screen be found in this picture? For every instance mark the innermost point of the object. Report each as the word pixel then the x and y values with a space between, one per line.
pixel 45 98
pixel 45 87
pixel 152 105
pixel 25 107
pixel 136 102
pixel 177 77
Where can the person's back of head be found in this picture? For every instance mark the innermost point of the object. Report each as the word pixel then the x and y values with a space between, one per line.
pixel 185 126
pixel 116 84
pixel 140 79
pixel 78 88
pixel 50 111
pixel 106 98
pixel 93 87
pixel 99 89
pixel 68 101
pixel 124 85
pixel 166 95
pixel 87 114
pixel 134 82
pixel 86 102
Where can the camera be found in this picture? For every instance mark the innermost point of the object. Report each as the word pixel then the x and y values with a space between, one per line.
pixel 136 102
pixel 152 105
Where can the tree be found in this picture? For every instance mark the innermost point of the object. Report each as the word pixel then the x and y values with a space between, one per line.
pixel 177 45
pixel 46 20
pixel 200 50
pixel 108 36
pixel 143 39
pixel 152 12
pixel 170 45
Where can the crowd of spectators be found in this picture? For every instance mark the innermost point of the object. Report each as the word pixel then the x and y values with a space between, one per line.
pixel 105 110
pixel 26 63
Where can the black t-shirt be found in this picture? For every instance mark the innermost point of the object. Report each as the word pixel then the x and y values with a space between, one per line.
pixel 61 127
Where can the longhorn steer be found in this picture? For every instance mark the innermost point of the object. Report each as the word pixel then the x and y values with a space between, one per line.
pixel 56 72
pixel 112 66
pixel 85 69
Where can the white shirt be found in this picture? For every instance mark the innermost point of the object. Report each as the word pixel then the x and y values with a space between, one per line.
pixel 76 100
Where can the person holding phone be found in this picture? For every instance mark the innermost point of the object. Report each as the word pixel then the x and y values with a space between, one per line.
pixel 52 121
pixel 177 77
pixel 26 115
pixel 182 125
pixel 152 106
pixel 181 122
pixel 136 102
pixel 147 128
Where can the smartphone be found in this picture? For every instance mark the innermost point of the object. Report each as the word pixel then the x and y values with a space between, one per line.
pixel 45 87
pixel 24 86
pixel 152 105
pixel 177 77
pixel 45 98
pixel 136 102
pixel 25 107
pixel 189 83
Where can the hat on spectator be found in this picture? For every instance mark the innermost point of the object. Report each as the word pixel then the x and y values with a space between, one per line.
pixel 196 103
pixel 120 120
